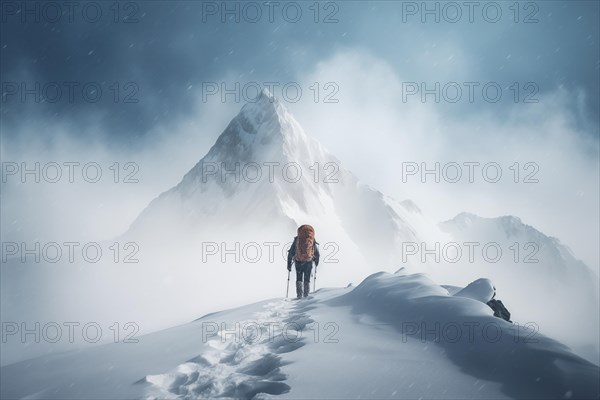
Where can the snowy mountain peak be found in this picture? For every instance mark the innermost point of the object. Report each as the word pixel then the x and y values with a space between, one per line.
pixel 264 107
pixel 256 134
pixel 266 94
pixel 265 168
pixel 508 226
pixel 465 219
pixel 262 164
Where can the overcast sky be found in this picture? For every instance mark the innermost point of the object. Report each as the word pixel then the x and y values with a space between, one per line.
pixel 153 69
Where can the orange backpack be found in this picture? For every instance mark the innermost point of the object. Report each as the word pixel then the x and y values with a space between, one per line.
pixel 305 249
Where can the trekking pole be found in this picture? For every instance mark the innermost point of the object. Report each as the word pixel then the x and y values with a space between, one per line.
pixel 287 292
pixel 315 282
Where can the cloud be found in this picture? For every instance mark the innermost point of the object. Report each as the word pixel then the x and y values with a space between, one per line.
pixel 83 208
pixel 373 131
pixel 371 128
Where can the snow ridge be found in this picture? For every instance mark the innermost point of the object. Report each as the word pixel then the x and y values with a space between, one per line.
pixel 399 336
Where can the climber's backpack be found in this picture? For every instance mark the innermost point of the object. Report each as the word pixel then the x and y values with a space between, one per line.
pixel 305 249
pixel 499 310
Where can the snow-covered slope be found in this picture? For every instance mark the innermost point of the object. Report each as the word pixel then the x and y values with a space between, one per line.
pixel 284 178
pixel 393 336
pixel 538 277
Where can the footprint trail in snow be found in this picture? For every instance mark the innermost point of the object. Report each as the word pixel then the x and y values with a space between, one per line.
pixel 243 362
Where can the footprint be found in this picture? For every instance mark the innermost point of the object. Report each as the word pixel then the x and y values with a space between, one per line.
pixel 247 390
pixel 236 368
pixel 201 360
pixel 263 366
pixel 283 345
pixel 298 322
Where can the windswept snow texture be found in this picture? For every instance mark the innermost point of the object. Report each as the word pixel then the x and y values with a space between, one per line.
pixel 393 336
pixel 481 290
pixel 239 366
pixel 546 285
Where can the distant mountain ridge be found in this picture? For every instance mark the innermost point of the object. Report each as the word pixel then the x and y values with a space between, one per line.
pixel 216 199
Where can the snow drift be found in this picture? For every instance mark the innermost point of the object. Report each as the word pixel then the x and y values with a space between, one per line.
pixel 393 336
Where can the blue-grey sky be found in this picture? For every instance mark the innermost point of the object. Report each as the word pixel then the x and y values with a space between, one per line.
pixel 172 45
pixel 164 51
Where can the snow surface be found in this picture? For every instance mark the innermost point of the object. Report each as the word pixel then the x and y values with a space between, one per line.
pixel 557 292
pixel 376 340
pixel 365 228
